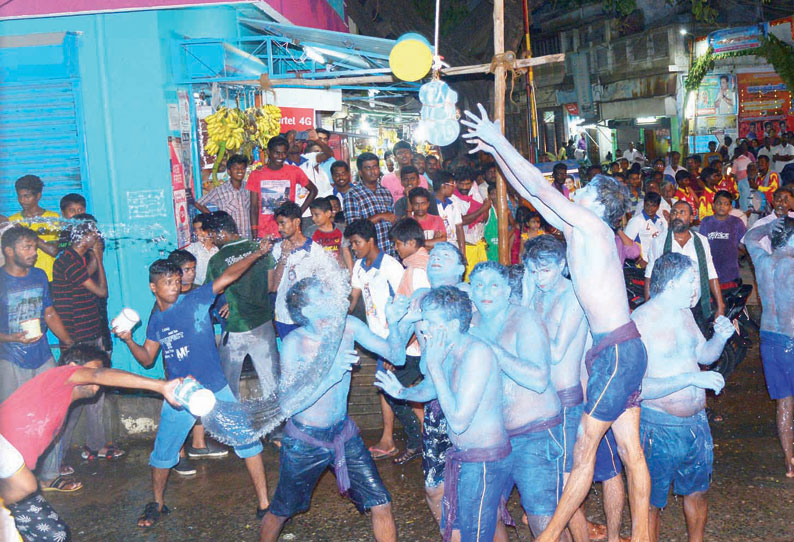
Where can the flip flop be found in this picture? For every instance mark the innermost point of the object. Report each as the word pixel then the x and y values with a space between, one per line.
pixel 66 470
pixel 112 452
pixel 151 513
pixel 60 485
pixel 377 453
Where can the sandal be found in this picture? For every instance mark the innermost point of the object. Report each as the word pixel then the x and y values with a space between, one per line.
pixel 88 454
pixel 111 452
pixel 377 453
pixel 152 514
pixel 407 456
pixel 63 484
pixel 66 470
pixel 260 512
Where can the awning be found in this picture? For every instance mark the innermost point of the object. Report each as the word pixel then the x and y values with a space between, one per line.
pixel 663 106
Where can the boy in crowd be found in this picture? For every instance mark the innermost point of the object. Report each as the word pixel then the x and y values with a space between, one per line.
pixel 327 234
pixel 403 155
pixel 409 177
pixel 643 228
pixel 249 323
pixel 444 186
pixel 711 178
pixel 187 264
pixel 268 185
pixel 181 326
pixel 474 213
pixel 674 429
pixel 203 248
pixel 43 222
pixel 232 195
pixel 72 205
pixel 376 277
pixel 432 225
pixel 33 414
pixel 724 232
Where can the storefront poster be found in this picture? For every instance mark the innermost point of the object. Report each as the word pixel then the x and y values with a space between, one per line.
pixel 717 95
pixel 297 118
pixel 764 106
pixel 181 216
pixel 737 39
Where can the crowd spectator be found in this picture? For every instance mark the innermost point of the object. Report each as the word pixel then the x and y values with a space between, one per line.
pixel 474 214
pixel 410 179
pixel 392 181
pixel 432 225
pixel 782 154
pixel 327 234
pixel 724 233
pixel 675 166
pixel 645 226
pixel 444 185
pixel 370 200
pixel 340 175
pixel 45 223
pixel 231 196
pixel 203 248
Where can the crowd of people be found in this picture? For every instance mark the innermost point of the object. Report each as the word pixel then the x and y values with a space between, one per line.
pixel 534 375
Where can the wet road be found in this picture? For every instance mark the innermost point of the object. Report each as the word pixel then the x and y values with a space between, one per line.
pixel 750 499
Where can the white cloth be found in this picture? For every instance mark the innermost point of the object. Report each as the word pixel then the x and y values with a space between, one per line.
pixel 740 164
pixel 786 149
pixel 378 284
pixel 765 242
pixel 663 206
pixel 316 174
pixel 203 256
pixel 633 156
pixel 688 249
pixel 295 269
pixel 473 232
pixel 10 459
pixel 646 231
pixel 672 172
pixel 763 151
pixel 451 217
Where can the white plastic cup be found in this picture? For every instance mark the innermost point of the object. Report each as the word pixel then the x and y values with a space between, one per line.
pixel 125 321
pixel 195 397
pixel 31 328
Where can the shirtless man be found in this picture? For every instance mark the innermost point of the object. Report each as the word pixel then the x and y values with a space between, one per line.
pixel 319 434
pixel 550 294
pixel 775 278
pixel 532 411
pixel 674 428
pixel 617 361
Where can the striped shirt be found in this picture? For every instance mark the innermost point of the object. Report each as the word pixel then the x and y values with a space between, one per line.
pixel 77 307
pixel 361 202
pixel 236 202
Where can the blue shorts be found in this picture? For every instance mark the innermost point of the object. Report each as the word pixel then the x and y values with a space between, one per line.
pixel 615 380
pixel 435 443
pixel 777 355
pixel 283 329
pixel 536 466
pixel 607 463
pixel 678 451
pixel 301 465
pixel 571 419
pixel 175 424
pixel 479 494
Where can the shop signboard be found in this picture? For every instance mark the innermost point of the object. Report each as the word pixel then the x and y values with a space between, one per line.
pixel 573 109
pixel 764 105
pixel 737 39
pixel 296 118
pixel 181 215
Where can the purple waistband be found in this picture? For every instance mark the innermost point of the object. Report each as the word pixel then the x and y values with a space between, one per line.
pixel 434 406
pixel 348 431
pixel 571 397
pixel 536 426
pixel 624 333
pixel 451 473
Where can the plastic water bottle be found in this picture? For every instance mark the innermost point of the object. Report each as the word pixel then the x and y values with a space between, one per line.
pixel 195 397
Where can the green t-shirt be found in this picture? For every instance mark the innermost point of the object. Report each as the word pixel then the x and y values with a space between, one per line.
pixel 492 236
pixel 249 303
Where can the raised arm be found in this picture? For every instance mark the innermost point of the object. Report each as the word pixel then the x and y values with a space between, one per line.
pixel 144 354
pixel 753 237
pixel 238 269
pixel 122 379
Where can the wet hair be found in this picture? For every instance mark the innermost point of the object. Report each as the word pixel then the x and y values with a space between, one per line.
pixel 202 219
pixel 668 267
pixel 407 170
pixel 407 229
pixel 219 221
pixel 238 159
pixel 545 248
pixel 464 173
pixel 181 257
pixel 516 278
pixel 366 157
pixel 322 204
pixel 496 267
pixel 340 163
pixel 82 353
pixel 780 238
pixel 363 228
pixel 653 198
pixel 401 145
pixel 71 199
pixel 419 192
pixel 288 209
pixel 441 178
pixel 448 247
pixel 163 268
pixel 681 175
pixel 724 194
pixel 613 195
pixel 298 298
pixel 15 234
pixel 84 224
pixel 453 303
pixel 29 182
pixel 278 141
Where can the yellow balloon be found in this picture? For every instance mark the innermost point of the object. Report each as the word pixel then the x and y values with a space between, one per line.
pixel 411 58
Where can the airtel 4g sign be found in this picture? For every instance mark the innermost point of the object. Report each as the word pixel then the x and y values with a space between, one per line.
pixel 297 118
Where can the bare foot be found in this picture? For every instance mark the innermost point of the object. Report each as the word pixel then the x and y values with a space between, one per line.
pixel 790 469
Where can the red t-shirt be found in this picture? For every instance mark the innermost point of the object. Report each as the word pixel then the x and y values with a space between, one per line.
pixel 432 224
pixel 329 240
pixel 33 415
pixel 274 188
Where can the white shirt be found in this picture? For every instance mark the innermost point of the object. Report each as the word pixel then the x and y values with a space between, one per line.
pixel 473 232
pixel 763 151
pixel 297 268
pixel 318 176
pixel 786 149
pixel 378 284
pixel 645 230
pixel 672 172
pixel 688 249
pixel 633 155
pixel 740 164
pixel 451 217
pixel 203 256
pixel 663 206
pixel 765 242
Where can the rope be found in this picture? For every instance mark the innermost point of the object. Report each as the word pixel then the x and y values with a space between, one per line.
pixel 438 61
pixel 507 60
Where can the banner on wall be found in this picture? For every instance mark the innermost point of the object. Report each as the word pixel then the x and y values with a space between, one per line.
pixel 717 95
pixel 181 216
pixel 737 39
pixel 764 106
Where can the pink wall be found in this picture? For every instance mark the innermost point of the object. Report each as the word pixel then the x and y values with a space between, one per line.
pixel 300 12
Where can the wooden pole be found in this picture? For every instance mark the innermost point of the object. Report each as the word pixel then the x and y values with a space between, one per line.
pixel 499 115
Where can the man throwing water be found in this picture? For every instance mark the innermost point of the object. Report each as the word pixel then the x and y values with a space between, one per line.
pixel 617 361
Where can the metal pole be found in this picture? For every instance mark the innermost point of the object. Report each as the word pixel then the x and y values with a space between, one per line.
pixel 499 115
pixel 531 102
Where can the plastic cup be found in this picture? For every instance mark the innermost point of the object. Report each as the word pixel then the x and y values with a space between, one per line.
pixel 195 397
pixel 125 321
pixel 31 328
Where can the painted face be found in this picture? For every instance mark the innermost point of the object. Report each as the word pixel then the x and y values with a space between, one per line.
pixel 722 206
pixel 587 198
pixel 361 247
pixel 490 291
pixel 420 205
pixel 545 273
pixel 72 210
pixel 28 199
pixel 167 288
pixel 685 290
pixel 318 310
pixel 443 267
pixel 25 253
pixel 369 171
pixel 341 178
pixel 433 320
pixel 276 156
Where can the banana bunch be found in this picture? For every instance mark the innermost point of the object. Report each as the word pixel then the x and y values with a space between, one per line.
pixel 226 130
pixel 268 124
